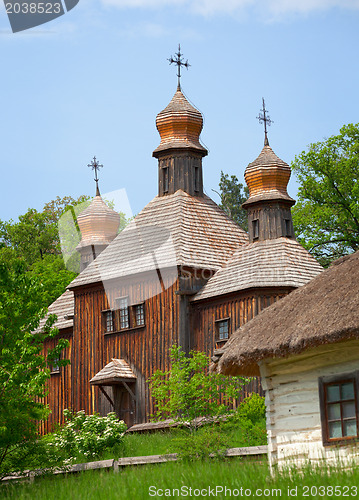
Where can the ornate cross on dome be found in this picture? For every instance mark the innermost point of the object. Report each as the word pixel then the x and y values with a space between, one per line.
pixel 95 165
pixel 263 117
pixel 178 59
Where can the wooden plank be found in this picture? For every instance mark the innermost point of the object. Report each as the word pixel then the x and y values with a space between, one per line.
pixel 150 459
pixel 247 451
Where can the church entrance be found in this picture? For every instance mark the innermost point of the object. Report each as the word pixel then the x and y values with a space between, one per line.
pixel 117 391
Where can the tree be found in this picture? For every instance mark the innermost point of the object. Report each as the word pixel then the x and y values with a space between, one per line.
pixel 189 391
pixel 233 195
pixel 36 233
pixel 326 216
pixel 23 368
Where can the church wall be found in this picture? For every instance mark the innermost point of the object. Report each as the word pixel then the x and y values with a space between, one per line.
pixel 58 386
pixel 239 308
pixel 145 348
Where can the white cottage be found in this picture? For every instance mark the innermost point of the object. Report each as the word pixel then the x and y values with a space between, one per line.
pixel 306 350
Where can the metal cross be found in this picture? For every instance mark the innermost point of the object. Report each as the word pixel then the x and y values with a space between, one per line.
pixel 263 117
pixel 178 59
pixel 95 165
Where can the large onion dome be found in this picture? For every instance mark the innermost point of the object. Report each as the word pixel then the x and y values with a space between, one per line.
pixel 179 126
pixel 267 178
pixel 98 224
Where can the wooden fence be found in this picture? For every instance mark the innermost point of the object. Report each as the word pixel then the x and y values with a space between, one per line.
pixel 120 463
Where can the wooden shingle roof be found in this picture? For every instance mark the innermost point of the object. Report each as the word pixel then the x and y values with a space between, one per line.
pixel 115 371
pixel 281 262
pixel 172 230
pixel 325 310
pixel 63 306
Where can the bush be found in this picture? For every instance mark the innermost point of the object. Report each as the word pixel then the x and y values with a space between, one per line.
pixel 88 435
pixel 252 408
pixel 207 442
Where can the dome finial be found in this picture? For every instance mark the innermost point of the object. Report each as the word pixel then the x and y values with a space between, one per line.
pixel 263 117
pixel 96 167
pixel 178 59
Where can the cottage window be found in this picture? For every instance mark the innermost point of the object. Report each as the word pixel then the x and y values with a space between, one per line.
pixel 222 330
pixel 139 314
pixel 165 180
pixel 339 408
pixel 109 323
pixel 255 227
pixel 124 316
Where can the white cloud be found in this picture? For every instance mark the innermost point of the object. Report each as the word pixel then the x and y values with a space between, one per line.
pixel 276 8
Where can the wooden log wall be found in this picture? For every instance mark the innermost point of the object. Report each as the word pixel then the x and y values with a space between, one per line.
pixel 59 386
pixel 239 307
pixel 145 348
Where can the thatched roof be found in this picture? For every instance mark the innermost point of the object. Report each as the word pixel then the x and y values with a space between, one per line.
pixel 326 310
pixel 281 262
pixel 170 231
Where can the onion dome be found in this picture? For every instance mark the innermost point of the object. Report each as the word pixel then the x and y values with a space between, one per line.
pixel 179 126
pixel 267 178
pixel 98 224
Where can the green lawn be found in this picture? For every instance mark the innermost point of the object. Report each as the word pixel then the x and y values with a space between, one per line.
pixel 143 482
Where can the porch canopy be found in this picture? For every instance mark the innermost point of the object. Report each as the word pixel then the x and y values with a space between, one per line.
pixel 115 372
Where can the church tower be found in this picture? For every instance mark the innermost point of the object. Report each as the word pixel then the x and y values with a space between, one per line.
pixel 180 152
pixel 98 224
pixel 268 205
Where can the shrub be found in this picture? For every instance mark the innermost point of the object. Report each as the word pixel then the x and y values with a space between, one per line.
pixel 88 435
pixel 207 442
pixel 252 408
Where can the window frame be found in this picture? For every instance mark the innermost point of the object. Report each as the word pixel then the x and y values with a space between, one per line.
pixel 166 180
pixel 54 366
pixel 323 383
pixel 119 309
pixel 288 228
pixel 196 178
pixel 255 229
pixel 105 312
pixel 134 314
pixel 217 327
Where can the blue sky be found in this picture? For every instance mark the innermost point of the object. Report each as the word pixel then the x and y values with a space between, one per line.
pixel 92 82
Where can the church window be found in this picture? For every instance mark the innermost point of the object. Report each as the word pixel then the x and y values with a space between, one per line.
pixel 165 180
pixel 54 366
pixel 109 323
pixel 288 227
pixel 196 178
pixel 255 227
pixel 338 397
pixel 124 316
pixel 139 315
pixel 222 330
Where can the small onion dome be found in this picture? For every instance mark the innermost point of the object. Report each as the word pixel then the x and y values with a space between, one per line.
pixel 267 178
pixel 98 223
pixel 179 126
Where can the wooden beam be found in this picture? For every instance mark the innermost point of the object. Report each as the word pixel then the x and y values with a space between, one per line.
pixel 129 390
pixel 107 396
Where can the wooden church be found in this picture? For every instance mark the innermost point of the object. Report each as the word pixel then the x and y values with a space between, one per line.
pixel 181 272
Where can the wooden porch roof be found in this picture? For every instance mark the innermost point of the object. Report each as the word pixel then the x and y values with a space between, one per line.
pixel 118 370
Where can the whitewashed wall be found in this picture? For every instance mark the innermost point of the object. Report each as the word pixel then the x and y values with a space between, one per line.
pixel 292 400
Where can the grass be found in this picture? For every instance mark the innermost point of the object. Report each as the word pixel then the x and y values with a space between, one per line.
pixel 162 442
pixel 135 483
